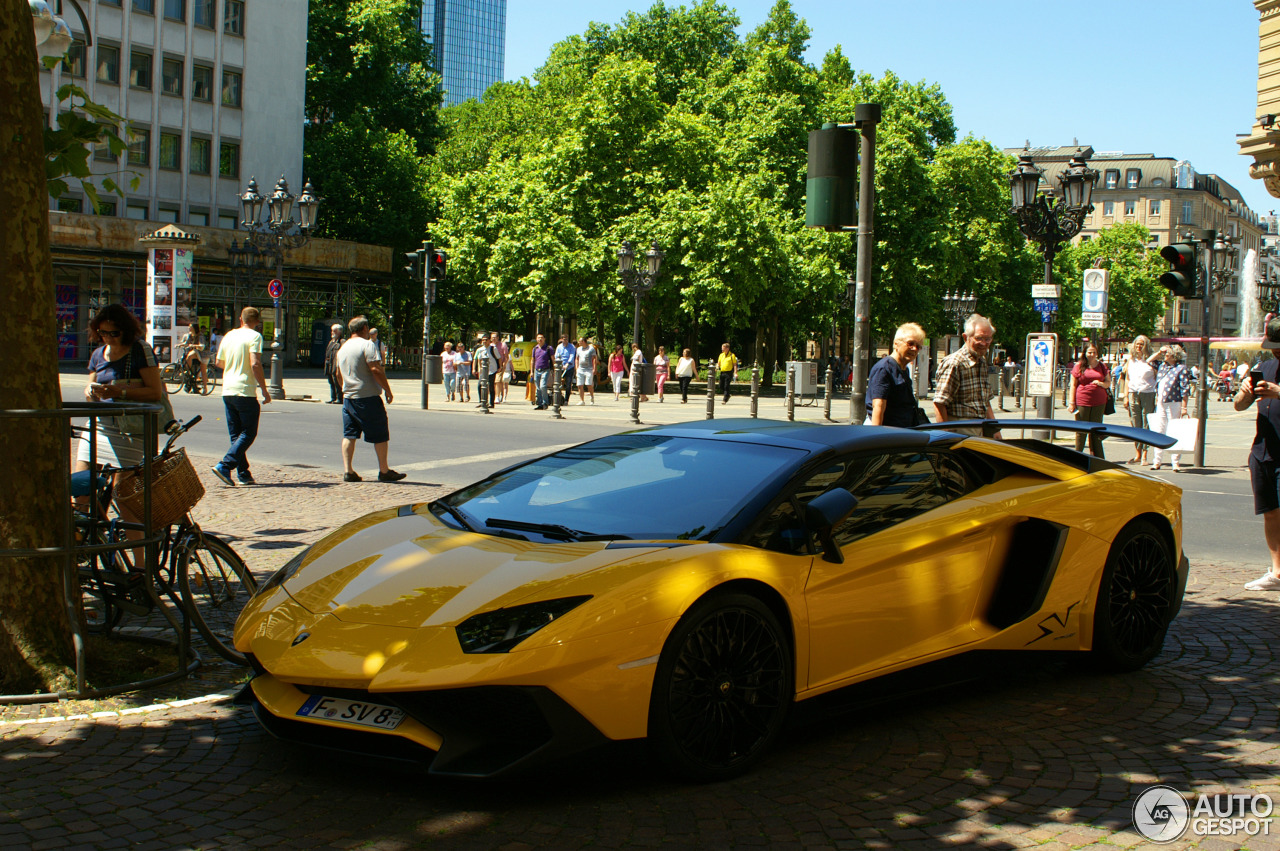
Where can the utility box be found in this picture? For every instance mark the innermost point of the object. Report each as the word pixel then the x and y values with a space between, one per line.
pixel 806 377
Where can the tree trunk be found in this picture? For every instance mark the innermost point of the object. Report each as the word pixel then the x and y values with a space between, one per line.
pixel 35 637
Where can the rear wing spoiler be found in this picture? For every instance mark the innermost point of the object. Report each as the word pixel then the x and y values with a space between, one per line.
pixel 1119 432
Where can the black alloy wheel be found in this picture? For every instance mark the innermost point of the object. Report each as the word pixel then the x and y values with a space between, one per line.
pixel 1135 599
pixel 722 689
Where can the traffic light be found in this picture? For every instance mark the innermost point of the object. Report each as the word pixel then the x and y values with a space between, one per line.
pixel 1181 277
pixel 439 262
pixel 414 267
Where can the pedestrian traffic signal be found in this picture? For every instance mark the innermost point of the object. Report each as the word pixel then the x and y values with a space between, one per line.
pixel 439 262
pixel 414 268
pixel 1181 277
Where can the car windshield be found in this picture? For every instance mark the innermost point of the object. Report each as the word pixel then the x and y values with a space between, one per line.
pixel 640 486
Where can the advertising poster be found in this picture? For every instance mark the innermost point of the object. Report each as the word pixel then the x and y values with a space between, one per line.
pixel 183 292
pixel 161 301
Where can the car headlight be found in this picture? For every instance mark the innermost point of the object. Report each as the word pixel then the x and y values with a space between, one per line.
pixel 283 574
pixel 498 631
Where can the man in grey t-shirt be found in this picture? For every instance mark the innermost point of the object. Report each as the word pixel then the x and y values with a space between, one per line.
pixel 359 368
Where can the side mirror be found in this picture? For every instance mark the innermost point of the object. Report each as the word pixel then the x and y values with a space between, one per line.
pixel 824 513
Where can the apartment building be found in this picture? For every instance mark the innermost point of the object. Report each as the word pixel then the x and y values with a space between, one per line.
pixel 1164 194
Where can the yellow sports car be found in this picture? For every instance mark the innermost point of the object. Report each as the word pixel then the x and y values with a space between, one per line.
pixel 687 583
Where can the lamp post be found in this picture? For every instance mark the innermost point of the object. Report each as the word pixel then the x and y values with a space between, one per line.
pixel 638 283
pixel 273 237
pixel 1049 221
pixel 958 306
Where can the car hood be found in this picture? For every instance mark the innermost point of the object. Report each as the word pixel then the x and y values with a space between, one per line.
pixel 410 570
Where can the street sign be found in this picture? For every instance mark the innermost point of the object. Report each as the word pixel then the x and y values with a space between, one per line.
pixel 275 289
pixel 1042 358
pixel 1093 320
pixel 1046 291
pixel 1046 307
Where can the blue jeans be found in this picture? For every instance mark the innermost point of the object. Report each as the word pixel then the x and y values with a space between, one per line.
pixel 450 379
pixel 541 378
pixel 243 413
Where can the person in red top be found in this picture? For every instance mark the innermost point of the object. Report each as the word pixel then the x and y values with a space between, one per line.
pixel 1088 395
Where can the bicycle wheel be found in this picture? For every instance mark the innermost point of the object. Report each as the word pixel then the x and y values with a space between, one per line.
pixel 215 586
pixel 171 374
pixel 212 383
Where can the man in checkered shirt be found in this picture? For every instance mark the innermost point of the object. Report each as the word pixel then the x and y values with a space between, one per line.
pixel 963 391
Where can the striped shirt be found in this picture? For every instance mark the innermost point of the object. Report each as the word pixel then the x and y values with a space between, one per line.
pixel 962 386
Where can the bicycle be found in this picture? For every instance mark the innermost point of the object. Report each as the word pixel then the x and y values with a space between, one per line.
pixel 185 375
pixel 201 574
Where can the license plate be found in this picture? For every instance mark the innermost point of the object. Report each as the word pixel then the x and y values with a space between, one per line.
pixel 356 712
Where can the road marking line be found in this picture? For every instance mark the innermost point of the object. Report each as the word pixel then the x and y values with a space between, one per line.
pixel 532 452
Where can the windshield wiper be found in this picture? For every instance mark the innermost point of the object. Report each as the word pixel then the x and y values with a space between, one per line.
pixel 456 514
pixel 551 530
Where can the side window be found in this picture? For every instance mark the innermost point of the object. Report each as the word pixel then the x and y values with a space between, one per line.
pixel 890 488
pixel 952 476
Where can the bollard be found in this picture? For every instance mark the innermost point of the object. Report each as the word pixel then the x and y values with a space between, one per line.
pixel 755 389
pixel 555 392
pixel 482 364
pixel 711 388
pixel 830 388
pixel 791 394
pixel 633 389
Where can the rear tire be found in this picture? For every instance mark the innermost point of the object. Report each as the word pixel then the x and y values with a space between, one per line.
pixel 215 586
pixel 722 689
pixel 1136 599
pixel 171 373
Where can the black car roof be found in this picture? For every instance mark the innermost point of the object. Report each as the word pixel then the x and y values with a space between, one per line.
pixel 812 436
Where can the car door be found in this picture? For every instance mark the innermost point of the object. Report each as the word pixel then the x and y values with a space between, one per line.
pixel 915 552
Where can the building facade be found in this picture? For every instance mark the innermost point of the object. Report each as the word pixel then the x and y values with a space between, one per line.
pixel 1165 194
pixel 213 93
pixel 469 40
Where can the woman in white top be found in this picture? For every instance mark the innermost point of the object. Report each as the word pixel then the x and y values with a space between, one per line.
pixel 661 366
pixel 686 371
pixel 1140 398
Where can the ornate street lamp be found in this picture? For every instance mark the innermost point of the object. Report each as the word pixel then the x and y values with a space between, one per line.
pixel 638 283
pixel 272 238
pixel 958 306
pixel 1050 221
pixel 53 36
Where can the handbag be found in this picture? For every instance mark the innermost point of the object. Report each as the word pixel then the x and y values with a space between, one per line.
pixel 1110 407
pixel 134 425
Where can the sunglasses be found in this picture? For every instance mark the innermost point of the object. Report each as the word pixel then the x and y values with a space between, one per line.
pixel 112 334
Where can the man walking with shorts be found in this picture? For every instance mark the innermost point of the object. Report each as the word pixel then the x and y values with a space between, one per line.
pixel 360 368
pixel 240 359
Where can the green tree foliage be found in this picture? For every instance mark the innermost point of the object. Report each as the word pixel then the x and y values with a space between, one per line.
pixel 1135 299
pixel 82 124
pixel 372 106
pixel 670 127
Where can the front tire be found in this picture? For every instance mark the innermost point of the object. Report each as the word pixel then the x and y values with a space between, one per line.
pixel 215 586
pixel 722 689
pixel 1136 599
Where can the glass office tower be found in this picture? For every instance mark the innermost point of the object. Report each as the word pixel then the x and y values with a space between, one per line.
pixel 469 38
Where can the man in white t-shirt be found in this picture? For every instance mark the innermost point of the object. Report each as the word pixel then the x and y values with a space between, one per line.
pixel 240 359
pixel 586 356
pixel 362 377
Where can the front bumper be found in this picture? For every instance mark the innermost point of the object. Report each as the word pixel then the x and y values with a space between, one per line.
pixel 482 731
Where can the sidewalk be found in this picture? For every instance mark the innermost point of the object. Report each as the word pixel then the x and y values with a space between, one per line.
pixel 1229 433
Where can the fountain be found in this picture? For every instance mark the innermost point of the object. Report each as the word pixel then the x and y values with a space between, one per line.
pixel 1250 310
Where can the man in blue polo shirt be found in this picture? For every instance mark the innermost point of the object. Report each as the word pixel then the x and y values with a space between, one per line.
pixel 566 358
pixel 541 372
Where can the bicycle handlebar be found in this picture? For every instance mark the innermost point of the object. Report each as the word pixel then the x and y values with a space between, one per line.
pixel 176 429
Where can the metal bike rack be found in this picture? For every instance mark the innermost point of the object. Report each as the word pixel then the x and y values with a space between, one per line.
pixel 69 551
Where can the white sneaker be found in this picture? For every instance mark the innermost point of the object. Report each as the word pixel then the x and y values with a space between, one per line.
pixel 1266 582
pixel 581 402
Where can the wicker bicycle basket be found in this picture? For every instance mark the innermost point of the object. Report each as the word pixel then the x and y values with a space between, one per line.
pixel 175 488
